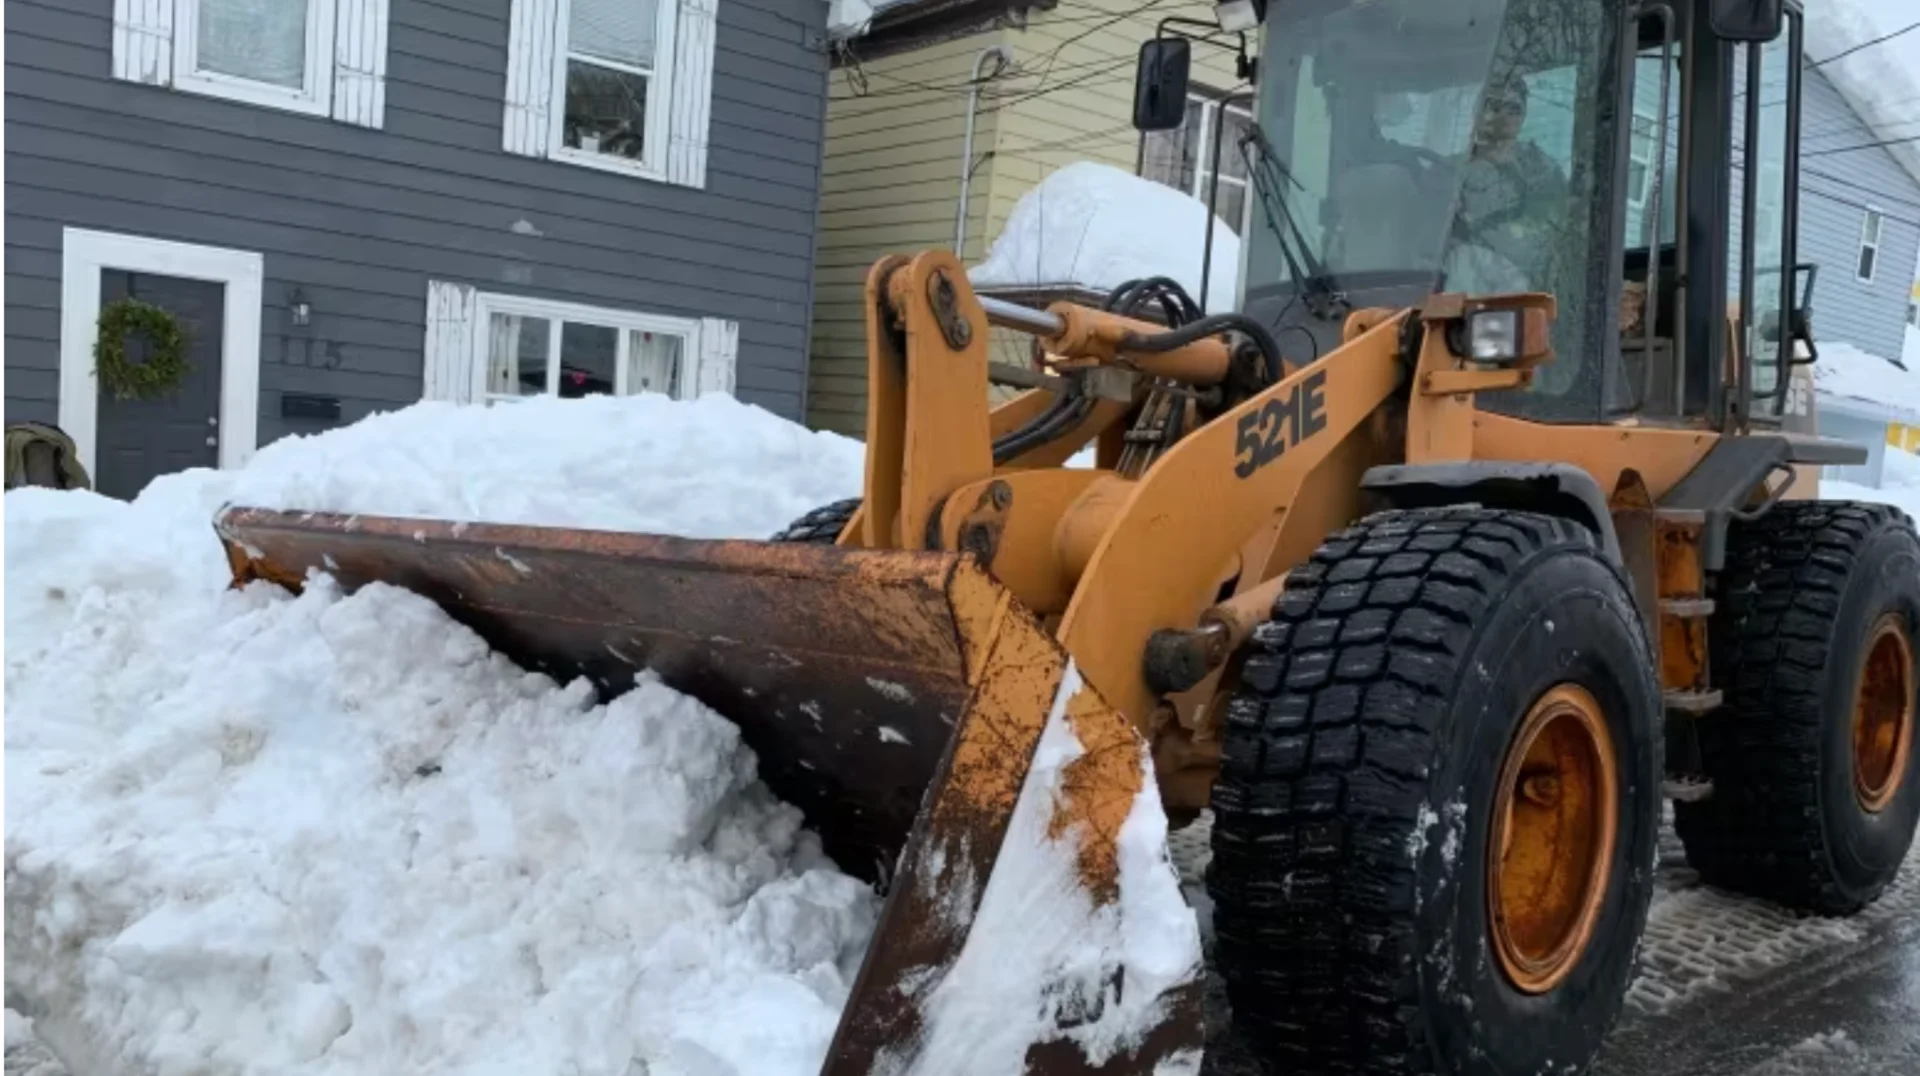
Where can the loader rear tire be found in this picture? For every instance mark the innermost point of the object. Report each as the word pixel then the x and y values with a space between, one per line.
pixel 1398 696
pixel 822 526
pixel 1816 777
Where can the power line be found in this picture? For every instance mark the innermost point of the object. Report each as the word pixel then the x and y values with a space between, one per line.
pixel 1864 145
pixel 1865 45
pixel 1831 178
pixel 1817 193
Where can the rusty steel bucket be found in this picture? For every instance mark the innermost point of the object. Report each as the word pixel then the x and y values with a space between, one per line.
pixel 896 698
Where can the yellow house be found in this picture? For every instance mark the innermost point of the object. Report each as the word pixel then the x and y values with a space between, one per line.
pixel 1053 86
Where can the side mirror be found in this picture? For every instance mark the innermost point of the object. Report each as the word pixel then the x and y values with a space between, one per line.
pixel 1160 83
pixel 1745 20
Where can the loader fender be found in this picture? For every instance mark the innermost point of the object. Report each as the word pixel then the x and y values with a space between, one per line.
pixel 1555 489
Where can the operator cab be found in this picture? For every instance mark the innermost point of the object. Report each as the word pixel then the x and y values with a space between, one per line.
pixel 1408 147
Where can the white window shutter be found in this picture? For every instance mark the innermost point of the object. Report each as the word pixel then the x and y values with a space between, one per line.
pixel 143 41
pixel 719 349
pixel 449 368
pixel 360 62
pixel 530 42
pixel 691 106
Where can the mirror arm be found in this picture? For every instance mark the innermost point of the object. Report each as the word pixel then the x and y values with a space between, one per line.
pixel 1244 65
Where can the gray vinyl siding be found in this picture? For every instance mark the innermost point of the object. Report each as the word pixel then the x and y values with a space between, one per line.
pixel 361 219
pixel 1835 190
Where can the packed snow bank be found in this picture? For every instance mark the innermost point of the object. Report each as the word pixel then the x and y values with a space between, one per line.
pixel 1094 225
pixel 253 833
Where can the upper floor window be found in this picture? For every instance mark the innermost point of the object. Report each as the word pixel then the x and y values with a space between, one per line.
pixel 616 84
pixel 1869 245
pixel 1183 157
pixel 320 57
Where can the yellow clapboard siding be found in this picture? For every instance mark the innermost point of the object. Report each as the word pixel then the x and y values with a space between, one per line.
pixel 890 178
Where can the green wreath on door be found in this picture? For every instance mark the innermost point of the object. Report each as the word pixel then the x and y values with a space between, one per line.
pixel 166 366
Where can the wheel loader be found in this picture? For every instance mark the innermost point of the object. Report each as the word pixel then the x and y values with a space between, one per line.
pixel 1483 527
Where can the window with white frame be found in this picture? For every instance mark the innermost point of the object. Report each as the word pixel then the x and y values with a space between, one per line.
pixel 321 57
pixel 535 349
pixel 622 85
pixel 1182 158
pixel 493 347
pixel 1869 245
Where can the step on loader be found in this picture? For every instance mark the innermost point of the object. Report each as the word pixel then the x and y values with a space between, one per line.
pixel 1481 528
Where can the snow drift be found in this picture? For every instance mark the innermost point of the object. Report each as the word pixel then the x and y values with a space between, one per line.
pixel 1097 226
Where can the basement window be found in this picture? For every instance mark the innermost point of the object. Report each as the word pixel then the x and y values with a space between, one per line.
pixel 535 348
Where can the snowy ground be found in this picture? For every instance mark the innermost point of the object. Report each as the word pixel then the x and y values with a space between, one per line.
pixel 1899 484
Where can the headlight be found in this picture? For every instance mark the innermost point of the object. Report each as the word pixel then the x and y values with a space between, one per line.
pixel 1493 336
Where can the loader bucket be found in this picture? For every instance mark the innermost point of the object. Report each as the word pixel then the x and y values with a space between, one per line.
pixel 899 699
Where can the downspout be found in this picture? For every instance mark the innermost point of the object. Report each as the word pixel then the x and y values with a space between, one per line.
pixel 1005 56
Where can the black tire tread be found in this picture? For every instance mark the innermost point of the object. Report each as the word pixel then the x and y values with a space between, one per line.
pixel 1325 769
pixel 822 526
pixel 1760 832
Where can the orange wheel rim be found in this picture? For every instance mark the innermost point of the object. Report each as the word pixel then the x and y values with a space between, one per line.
pixel 1550 856
pixel 1883 715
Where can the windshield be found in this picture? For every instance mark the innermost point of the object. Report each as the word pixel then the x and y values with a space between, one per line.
pixel 1449 143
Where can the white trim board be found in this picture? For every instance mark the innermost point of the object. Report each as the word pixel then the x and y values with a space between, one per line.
pixel 83 254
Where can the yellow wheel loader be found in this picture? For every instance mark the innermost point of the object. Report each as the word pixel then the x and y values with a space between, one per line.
pixel 1479 530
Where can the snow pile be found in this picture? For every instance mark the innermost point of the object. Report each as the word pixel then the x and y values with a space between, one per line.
pixel 254 833
pixel 1097 226
pixel 1846 371
pixel 1040 948
pixel 706 468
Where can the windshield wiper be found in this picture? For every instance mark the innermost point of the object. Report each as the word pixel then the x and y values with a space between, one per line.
pixel 1269 176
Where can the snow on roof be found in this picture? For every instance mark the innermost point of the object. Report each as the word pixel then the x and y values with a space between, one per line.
pixel 1097 226
pixel 1872 383
pixel 1882 82
pixel 850 18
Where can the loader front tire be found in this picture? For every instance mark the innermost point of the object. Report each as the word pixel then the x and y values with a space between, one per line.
pixel 1434 685
pixel 822 526
pixel 1816 779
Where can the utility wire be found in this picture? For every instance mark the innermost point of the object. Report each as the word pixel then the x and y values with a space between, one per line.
pixel 1831 178
pixel 1865 45
pixel 1864 145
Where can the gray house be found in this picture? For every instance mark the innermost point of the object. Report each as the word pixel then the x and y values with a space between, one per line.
pixel 351 205
pixel 1859 222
